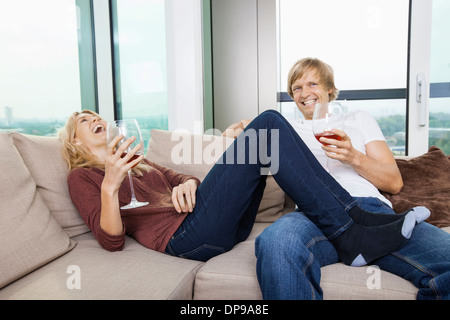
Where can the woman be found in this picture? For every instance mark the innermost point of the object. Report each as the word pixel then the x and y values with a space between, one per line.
pixel 199 221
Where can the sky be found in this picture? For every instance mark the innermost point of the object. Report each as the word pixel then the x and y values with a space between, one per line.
pixel 39 75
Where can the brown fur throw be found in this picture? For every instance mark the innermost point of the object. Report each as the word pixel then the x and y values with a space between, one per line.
pixel 426 182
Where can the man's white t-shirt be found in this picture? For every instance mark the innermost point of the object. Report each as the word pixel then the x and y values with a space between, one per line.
pixel 362 128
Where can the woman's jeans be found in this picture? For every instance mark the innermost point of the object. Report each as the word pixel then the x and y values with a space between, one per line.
pixel 228 198
pixel 291 252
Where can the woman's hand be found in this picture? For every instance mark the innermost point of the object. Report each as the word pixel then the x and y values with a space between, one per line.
pixel 183 196
pixel 116 166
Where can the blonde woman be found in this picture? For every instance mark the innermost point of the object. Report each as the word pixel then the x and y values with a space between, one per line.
pixel 199 221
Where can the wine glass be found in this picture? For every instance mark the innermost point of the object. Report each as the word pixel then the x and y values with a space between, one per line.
pixel 128 128
pixel 327 116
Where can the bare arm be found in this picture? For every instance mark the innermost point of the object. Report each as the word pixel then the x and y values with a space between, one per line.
pixel 116 169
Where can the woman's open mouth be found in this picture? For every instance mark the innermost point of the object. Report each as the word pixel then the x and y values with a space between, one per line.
pixel 98 129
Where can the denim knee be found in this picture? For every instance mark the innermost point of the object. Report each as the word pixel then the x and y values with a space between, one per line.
pixel 286 234
pixel 269 116
pixel 294 235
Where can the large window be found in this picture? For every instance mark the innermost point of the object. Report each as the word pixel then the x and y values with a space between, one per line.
pixel 46 63
pixel 366 43
pixel 440 77
pixel 141 63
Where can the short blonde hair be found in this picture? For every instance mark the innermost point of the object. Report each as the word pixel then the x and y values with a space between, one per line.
pixel 324 71
pixel 78 156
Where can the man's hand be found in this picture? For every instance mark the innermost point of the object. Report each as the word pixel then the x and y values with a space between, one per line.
pixel 378 165
pixel 183 196
pixel 341 150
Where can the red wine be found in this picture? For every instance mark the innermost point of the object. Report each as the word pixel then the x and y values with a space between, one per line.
pixel 328 135
pixel 132 158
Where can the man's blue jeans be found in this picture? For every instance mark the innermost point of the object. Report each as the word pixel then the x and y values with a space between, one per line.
pixel 291 252
pixel 229 196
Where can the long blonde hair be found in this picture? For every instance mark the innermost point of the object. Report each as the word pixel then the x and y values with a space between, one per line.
pixel 78 156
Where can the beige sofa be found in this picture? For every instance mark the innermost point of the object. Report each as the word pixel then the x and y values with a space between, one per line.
pixel 46 251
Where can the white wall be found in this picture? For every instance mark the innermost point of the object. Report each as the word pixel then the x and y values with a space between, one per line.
pixel 235 67
pixel 244 59
pixel 185 64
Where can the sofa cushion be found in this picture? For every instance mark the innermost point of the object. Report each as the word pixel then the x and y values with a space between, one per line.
pixel 42 156
pixel 196 154
pixel 232 276
pixel 29 235
pixel 426 183
pixel 341 282
pixel 89 272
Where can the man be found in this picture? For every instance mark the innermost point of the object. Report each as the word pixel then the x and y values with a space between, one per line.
pixel 291 252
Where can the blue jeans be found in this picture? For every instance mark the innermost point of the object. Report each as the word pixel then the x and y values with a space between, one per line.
pixel 229 196
pixel 291 252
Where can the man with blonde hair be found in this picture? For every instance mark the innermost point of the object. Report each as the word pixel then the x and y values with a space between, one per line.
pixel 292 250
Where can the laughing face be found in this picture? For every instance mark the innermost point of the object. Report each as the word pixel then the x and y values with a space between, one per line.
pixel 308 91
pixel 90 132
